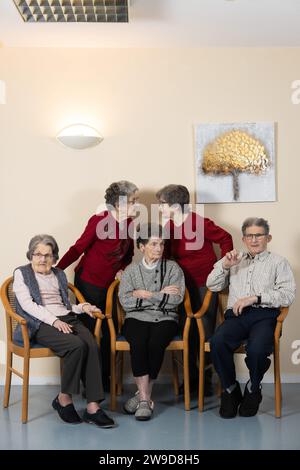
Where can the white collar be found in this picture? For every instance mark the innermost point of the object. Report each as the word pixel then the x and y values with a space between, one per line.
pixel 150 267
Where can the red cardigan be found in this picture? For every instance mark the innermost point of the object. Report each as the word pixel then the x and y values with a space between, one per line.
pixel 196 263
pixel 102 257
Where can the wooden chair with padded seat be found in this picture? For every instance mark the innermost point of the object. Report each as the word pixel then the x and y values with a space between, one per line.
pixel 27 350
pixel 119 345
pixel 205 347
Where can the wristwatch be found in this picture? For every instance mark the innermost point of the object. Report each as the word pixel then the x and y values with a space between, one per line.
pixel 258 300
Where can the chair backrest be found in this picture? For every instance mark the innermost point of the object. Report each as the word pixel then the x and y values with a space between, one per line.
pixel 9 303
pixel 11 295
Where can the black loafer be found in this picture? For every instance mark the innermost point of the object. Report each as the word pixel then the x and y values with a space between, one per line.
pixel 67 413
pixel 99 419
pixel 250 403
pixel 230 402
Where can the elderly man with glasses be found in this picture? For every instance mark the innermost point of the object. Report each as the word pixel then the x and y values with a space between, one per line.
pixel 260 282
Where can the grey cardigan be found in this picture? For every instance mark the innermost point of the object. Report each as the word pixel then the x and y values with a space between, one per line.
pixel 160 306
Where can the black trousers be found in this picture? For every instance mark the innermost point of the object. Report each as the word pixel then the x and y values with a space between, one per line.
pixel 96 296
pixel 148 342
pixel 80 355
pixel 197 295
pixel 254 325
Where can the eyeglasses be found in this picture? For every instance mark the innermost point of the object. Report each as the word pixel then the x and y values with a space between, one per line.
pixel 131 202
pixel 256 236
pixel 47 256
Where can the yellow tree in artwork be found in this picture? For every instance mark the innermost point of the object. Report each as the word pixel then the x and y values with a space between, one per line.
pixel 232 153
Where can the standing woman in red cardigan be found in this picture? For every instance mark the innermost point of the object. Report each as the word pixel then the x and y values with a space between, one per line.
pixel 191 239
pixel 105 248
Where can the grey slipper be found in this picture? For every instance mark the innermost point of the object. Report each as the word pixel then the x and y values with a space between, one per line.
pixel 144 411
pixel 131 405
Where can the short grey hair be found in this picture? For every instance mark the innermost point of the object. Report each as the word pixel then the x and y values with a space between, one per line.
pixel 117 190
pixel 45 240
pixel 258 222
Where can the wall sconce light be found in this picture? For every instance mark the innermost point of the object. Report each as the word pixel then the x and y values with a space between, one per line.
pixel 79 136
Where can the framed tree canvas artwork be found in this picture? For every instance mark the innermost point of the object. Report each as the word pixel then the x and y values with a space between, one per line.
pixel 235 162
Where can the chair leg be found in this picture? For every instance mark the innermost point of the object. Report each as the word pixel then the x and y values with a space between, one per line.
pixel 277 383
pixel 9 358
pixel 175 373
pixel 186 380
pixel 120 374
pixel 113 398
pixel 25 390
pixel 201 380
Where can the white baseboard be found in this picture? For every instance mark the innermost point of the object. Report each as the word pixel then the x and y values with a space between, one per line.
pixel 163 379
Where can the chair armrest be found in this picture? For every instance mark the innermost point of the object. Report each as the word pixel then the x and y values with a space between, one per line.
pixel 280 319
pixel 110 299
pixel 205 304
pixel 97 331
pixel 99 315
pixel 15 316
pixel 77 293
pixel 283 314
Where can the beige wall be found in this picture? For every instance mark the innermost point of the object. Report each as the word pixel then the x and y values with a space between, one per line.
pixel 145 103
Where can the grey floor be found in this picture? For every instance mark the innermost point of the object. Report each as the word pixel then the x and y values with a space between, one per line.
pixel 170 428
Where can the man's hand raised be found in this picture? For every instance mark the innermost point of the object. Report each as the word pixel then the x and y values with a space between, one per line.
pixel 232 258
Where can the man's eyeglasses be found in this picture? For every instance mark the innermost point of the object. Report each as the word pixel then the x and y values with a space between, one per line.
pixel 256 236
pixel 47 257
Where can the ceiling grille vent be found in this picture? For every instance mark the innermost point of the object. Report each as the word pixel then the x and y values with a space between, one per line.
pixel 73 11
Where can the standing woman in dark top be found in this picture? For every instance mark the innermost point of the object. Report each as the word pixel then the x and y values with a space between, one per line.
pixel 106 248
pixel 190 244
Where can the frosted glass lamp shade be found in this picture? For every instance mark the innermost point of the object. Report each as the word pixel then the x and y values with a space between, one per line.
pixel 79 136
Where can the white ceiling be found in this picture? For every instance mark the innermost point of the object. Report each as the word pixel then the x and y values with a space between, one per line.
pixel 167 23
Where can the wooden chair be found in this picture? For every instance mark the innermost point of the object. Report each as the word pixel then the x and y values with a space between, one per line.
pixel 119 345
pixel 27 351
pixel 205 347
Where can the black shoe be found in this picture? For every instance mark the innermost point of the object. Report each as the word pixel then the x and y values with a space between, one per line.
pixel 99 418
pixel 66 413
pixel 250 403
pixel 230 402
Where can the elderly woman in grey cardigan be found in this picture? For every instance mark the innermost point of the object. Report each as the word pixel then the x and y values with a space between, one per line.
pixel 150 292
pixel 42 299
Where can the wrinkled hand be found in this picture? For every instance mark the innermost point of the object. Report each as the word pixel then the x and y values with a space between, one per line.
pixel 62 326
pixel 142 294
pixel 119 274
pixel 173 290
pixel 232 258
pixel 90 309
pixel 242 303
